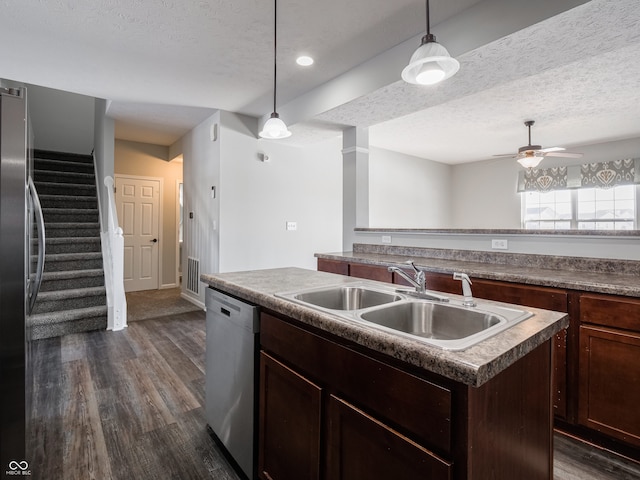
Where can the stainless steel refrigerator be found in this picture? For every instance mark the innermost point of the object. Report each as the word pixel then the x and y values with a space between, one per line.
pixel 21 267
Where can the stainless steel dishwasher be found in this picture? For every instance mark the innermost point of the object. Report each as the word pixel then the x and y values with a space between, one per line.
pixel 232 336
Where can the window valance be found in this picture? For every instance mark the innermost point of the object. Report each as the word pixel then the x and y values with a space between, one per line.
pixel 589 175
pixel 608 174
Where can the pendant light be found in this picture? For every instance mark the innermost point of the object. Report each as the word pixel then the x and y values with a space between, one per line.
pixel 275 128
pixel 430 63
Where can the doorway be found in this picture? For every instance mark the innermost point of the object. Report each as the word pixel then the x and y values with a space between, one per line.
pixel 138 205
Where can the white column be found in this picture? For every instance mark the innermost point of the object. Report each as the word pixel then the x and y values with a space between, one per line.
pixel 355 183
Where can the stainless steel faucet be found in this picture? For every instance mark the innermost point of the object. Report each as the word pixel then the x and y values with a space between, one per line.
pixel 466 289
pixel 419 279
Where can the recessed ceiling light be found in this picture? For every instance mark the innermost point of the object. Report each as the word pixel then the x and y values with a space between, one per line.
pixel 304 60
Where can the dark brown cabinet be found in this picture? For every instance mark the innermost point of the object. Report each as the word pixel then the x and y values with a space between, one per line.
pixel 331 411
pixel 333 266
pixel 362 447
pixel 527 295
pixel 596 371
pixel 370 272
pixel 609 391
pixel 289 445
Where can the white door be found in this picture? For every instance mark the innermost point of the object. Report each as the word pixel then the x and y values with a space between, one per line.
pixel 137 203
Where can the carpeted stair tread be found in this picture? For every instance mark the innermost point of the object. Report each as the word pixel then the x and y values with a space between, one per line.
pixel 78 215
pixel 68 201
pixel 67 316
pixel 67 157
pixel 71 279
pixel 65 275
pixel 68 245
pixel 65 177
pixel 70 299
pixel 53 188
pixel 72 229
pixel 77 325
pixel 62 165
pixel 58 240
pixel 57 262
pixel 71 293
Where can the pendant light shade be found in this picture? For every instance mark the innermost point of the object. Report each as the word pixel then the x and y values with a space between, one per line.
pixel 431 62
pixel 275 128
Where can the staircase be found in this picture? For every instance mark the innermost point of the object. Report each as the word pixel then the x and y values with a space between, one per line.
pixel 72 297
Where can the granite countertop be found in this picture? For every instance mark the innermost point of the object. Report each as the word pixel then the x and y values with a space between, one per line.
pixel 604 281
pixel 472 366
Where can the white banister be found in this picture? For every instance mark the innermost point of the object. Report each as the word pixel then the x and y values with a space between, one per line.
pixel 114 263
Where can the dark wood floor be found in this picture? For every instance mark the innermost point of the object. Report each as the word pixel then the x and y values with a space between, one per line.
pixel 129 405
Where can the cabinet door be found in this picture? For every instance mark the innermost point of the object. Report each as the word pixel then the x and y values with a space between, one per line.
pixel 333 266
pixel 361 447
pixel 289 423
pixel 610 382
pixel 370 272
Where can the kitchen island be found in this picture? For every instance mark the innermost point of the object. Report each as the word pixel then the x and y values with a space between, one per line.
pixel 341 400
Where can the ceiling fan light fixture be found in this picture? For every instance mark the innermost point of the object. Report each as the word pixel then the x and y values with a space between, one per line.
pixel 274 128
pixel 530 161
pixel 431 62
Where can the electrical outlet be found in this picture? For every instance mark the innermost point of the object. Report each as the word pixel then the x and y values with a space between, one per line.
pixel 386 239
pixel 292 226
pixel 500 244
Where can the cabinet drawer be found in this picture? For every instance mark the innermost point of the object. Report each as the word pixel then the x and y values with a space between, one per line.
pixel 418 408
pixel 610 311
pixel 362 447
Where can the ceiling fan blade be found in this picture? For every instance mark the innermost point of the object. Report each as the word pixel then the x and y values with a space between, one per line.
pixel 553 149
pixel 563 154
pixel 504 155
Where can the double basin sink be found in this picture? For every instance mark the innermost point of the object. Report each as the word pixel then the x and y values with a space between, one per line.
pixel 428 317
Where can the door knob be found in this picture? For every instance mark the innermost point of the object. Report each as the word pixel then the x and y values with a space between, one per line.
pixel 155 240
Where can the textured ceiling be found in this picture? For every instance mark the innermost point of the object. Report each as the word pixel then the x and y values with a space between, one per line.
pixel 164 65
pixel 576 74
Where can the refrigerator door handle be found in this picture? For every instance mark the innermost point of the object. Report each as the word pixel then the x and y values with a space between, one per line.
pixel 35 286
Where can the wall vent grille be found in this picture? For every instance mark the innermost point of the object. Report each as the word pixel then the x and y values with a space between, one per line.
pixel 193 275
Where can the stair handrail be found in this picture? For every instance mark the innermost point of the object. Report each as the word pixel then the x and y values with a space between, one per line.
pixel 116 259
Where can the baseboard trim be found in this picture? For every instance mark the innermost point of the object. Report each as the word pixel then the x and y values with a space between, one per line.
pixel 196 302
pixel 168 285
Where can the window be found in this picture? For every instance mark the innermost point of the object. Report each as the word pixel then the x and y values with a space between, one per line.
pixel 547 210
pixel 607 209
pixel 585 209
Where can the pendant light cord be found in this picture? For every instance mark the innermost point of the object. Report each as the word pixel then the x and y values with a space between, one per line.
pixel 428 22
pixel 275 51
pixel 428 37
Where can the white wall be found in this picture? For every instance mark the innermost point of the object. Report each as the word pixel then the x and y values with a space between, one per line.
pixel 483 194
pixel 302 185
pixel 407 191
pixel 201 169
pixel 244 226
pixel 61 121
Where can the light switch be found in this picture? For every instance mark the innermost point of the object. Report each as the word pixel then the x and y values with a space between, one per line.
pixel 292 226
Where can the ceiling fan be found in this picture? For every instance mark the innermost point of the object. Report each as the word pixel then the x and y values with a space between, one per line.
pixel 529 156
